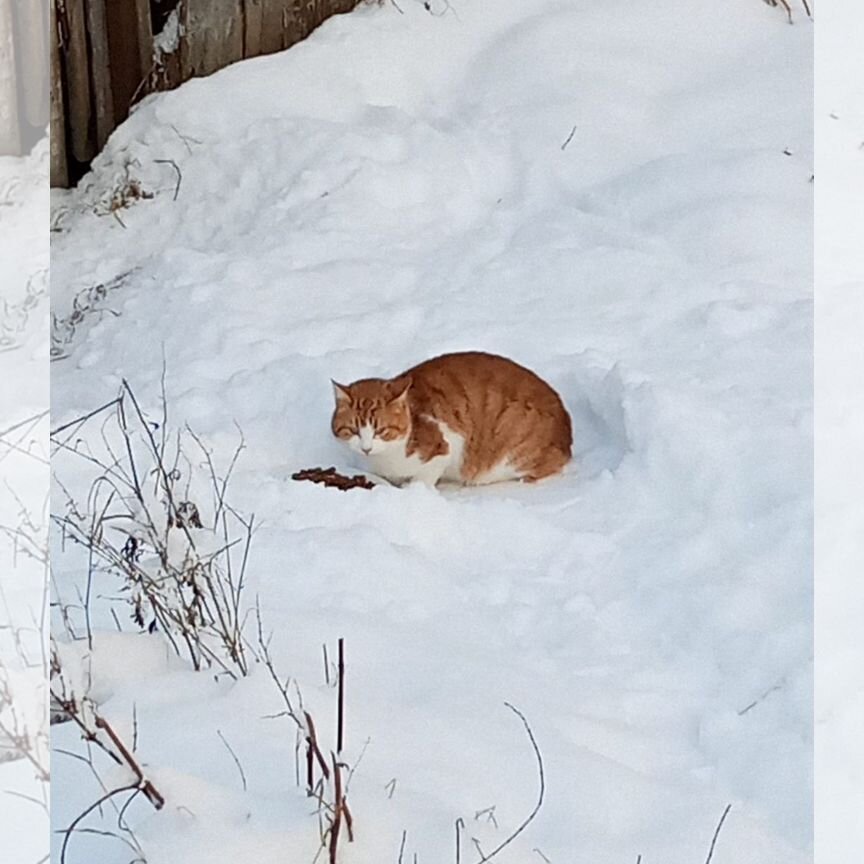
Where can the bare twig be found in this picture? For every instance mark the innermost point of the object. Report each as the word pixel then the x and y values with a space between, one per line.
pixel 73 827
pixel 234 757
pixel 176 168
pixel 84 418
pixel 717 833
pixel 314 752
pixel 762 697
pixel 340 712
pixel 788 8
pixel 150 791
pixel 541 793
pixel 336 823
pixel 192 597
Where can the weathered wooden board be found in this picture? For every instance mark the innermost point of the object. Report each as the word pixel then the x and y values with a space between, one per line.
pixel 59 167
pixel 103 99
pixel 253 13
pixel 78 104
pixel 144 26
pixel 130 52
pixel 213 37
pixel 276 14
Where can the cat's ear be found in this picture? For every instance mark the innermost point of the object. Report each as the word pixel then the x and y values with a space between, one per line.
pixel 399 388
pixel 340 392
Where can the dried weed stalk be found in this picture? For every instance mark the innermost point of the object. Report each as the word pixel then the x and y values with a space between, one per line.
pixel 788 8
pixel 87 303
pixel 100 736
pixel 325 779
pixel 157 517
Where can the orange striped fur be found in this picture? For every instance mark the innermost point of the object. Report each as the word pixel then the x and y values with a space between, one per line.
pixel 470 418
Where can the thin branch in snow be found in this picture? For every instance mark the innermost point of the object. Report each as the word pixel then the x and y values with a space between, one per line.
pixel 788 8
pixel 185 138
pixel 717 833
pixel 540 796
pixel 146 786
pixel 176 167
pixel 234 757
pixel 313 754
pixel 762 697
pixel 96 805
pixel 340 712
pixel 489 813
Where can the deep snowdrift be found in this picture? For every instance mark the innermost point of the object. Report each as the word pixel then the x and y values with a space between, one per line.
pixel 615 196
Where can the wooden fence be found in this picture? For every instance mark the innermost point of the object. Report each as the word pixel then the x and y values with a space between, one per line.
pixel 108 54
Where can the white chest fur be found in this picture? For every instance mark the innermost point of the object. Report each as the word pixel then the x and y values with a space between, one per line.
pixel 391 461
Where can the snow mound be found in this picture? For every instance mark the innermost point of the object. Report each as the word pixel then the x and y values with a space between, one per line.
pixel 615 196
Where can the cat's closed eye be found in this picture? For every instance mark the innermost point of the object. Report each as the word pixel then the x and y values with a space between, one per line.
pixel 345 432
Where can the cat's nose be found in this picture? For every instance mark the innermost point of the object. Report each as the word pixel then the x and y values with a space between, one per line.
pixel 366 450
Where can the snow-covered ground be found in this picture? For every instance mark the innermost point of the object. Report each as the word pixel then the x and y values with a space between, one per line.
pixel 23 503
pixel 840 434
pixel 617 195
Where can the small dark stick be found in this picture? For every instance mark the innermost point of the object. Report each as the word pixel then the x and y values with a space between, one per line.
pixel 341 712
pixel 150 791
pixel 326 665
pixel 717 833
pixel 349 820
pixel 313 752
pixel 337 809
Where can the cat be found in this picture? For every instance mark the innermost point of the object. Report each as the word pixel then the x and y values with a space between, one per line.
pixel 470 418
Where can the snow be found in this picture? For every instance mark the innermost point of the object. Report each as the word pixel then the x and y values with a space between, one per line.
pixel 840 435
pixel 618 198
pixel 167 40
pixel 23 497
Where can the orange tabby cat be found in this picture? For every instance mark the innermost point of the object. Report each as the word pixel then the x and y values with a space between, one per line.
pixel 469 418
